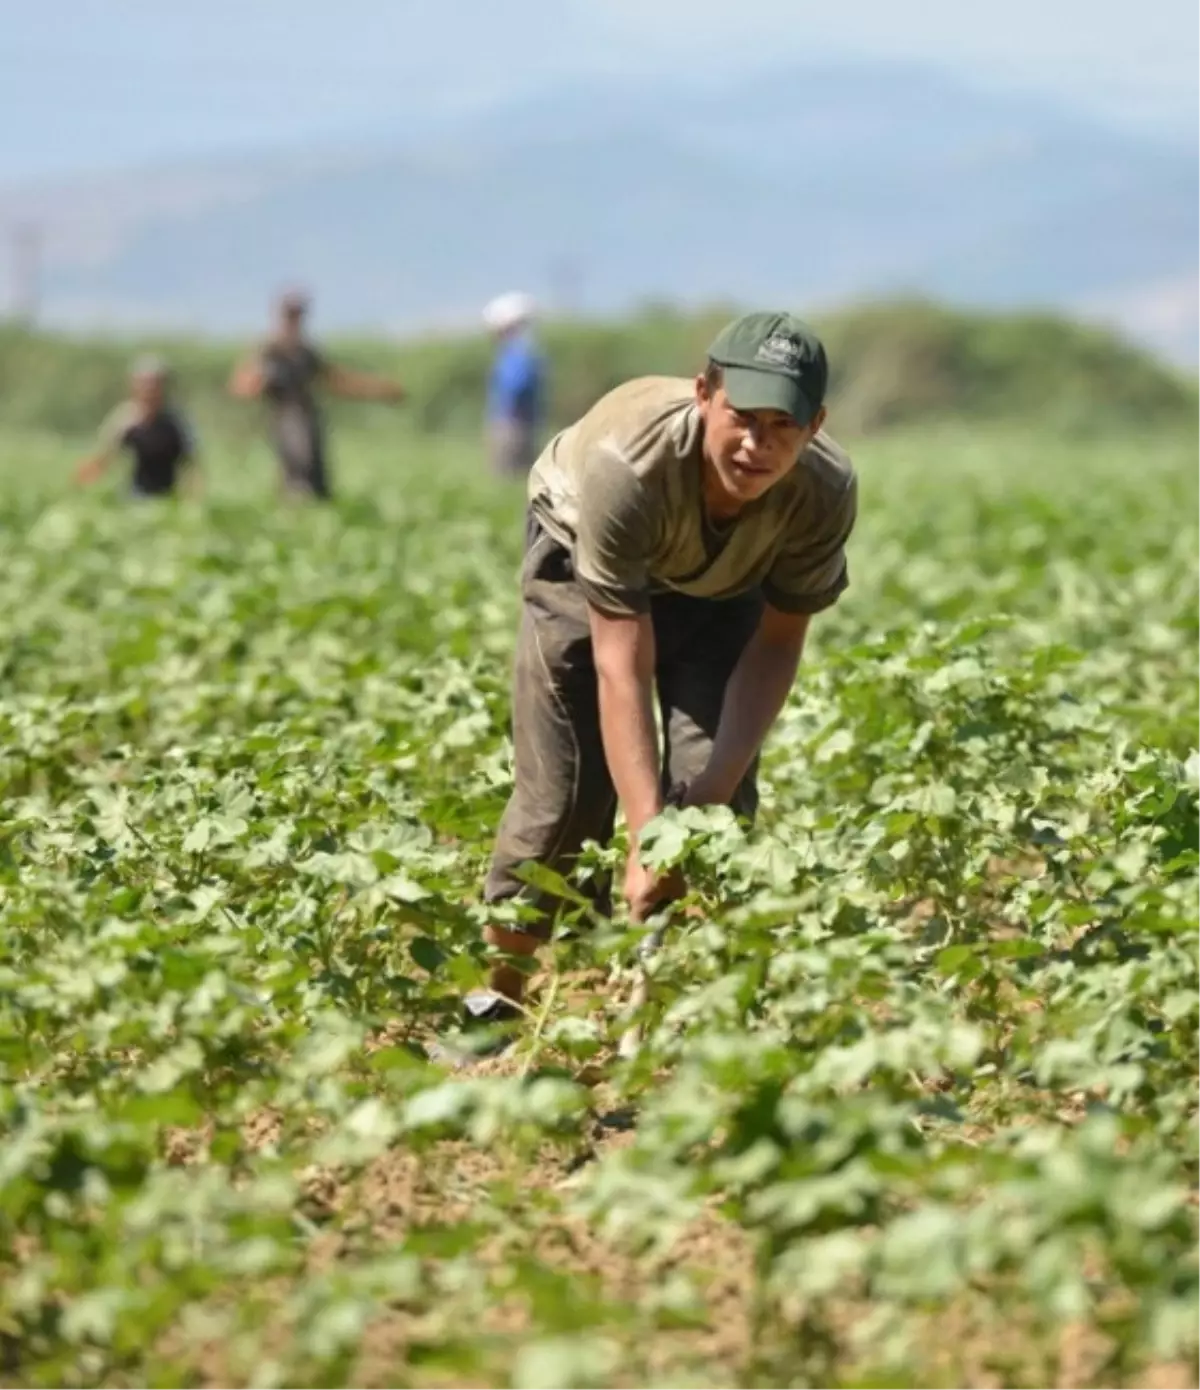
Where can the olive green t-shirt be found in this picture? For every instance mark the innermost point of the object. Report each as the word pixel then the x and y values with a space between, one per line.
pixel 290 372
pixel 622 489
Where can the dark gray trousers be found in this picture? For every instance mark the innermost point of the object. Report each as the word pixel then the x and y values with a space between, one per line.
pixel 563 793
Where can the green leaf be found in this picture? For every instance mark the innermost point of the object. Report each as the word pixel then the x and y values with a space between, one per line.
pixel 165 1074
pixel 959 960
pixel 1018 948
pixel 548 881
pixel 402 888
pixel 427 953
pixel 199 837
pixel 92 1317
pixel 556 1363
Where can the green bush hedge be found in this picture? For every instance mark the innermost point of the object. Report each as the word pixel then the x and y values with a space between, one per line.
pixel 892 364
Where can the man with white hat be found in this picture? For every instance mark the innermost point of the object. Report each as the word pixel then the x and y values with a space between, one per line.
pixel 515 386
pixel 151 428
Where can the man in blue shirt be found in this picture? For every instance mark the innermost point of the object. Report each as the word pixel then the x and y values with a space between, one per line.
pixel 515 386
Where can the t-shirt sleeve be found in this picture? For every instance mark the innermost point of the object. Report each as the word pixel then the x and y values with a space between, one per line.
pixel 810 572
pixel 615 535
pixel 111 434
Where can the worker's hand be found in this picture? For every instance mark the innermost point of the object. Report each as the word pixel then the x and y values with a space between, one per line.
pixel 248 380
pixel 706 789
pixel 648 889
pixel 88 472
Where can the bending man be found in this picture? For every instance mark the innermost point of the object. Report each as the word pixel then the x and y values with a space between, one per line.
pixel 681 536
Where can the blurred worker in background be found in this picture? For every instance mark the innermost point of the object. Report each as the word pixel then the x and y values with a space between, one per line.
pixel 285 372
pixel 151 429
pixel 515 386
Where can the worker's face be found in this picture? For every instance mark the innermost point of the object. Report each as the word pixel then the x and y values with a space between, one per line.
pixel 149 390
pixel 749 450
pixel 291 320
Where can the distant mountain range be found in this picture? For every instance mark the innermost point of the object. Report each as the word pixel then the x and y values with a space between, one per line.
pixel 807 187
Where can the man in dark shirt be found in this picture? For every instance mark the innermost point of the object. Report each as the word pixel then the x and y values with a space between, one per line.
pixel 285 372
pixel 152 429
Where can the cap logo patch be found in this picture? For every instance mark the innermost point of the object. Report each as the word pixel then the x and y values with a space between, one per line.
pixel 781 350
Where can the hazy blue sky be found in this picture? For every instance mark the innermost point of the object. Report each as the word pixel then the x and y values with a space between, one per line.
pixel 100 84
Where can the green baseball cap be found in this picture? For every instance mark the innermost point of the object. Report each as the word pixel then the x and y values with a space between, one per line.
pixel 772 361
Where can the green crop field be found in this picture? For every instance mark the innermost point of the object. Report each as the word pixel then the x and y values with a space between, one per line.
pixel 917 1099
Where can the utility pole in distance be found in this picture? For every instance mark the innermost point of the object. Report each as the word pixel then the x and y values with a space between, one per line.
pixel 27 240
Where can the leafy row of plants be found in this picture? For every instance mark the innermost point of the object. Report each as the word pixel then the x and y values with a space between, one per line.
pixel 915 1101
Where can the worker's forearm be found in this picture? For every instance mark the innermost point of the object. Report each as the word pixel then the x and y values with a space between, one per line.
pixel 91 467
pixel 364 386
pixel 246 380
pixel 757 691
pixel 631 744
pixel 383 389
